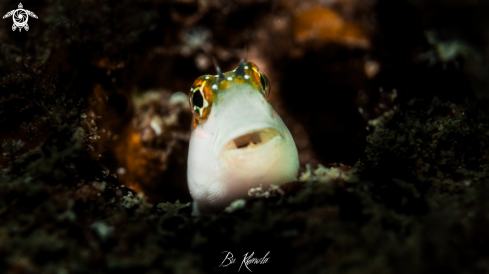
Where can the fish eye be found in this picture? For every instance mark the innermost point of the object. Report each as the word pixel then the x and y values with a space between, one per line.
pixel 264 80
pixel 198 103
pixel 198 99
pixel 265 84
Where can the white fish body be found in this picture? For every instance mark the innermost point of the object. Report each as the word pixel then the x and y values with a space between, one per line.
pixel 238 141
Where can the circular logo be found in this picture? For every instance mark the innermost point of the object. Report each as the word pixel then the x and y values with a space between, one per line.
pixel 20 17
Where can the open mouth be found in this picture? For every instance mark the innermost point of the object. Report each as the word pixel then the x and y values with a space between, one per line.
pixel 252 139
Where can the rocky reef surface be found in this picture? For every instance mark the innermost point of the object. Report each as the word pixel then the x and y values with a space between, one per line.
pixel 387 101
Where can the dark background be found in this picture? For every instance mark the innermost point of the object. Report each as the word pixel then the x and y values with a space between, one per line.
pixel 390 95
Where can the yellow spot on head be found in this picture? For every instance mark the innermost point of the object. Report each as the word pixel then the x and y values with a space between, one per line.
pixel 211 86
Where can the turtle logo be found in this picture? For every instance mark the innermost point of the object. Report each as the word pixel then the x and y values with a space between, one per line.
pixel 20 16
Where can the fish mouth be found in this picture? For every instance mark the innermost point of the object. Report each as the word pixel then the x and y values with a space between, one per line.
pixel 252 139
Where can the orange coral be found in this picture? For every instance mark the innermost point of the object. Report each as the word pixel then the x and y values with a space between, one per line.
pixel 323 25
pixel 137 141
pixel 138 162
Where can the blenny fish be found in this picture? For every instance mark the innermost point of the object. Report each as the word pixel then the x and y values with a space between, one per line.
pixel 238 140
